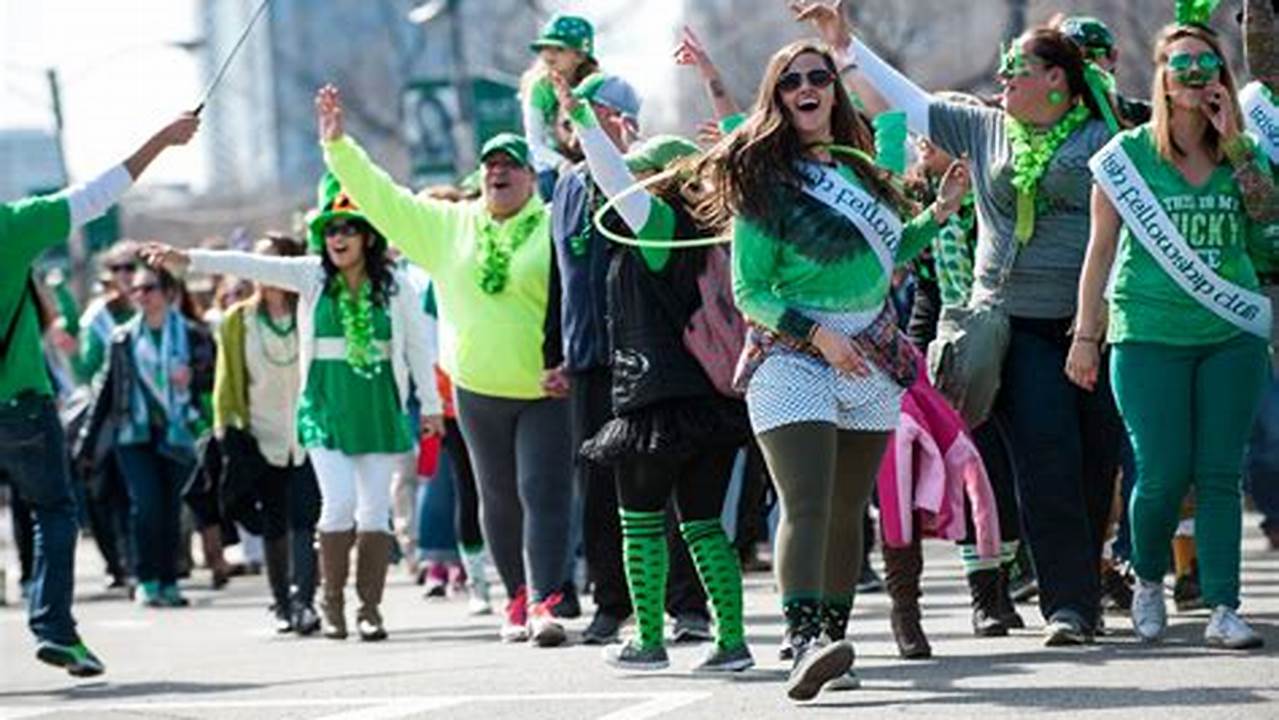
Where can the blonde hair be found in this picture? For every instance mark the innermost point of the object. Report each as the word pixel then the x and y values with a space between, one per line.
pixel 1161 123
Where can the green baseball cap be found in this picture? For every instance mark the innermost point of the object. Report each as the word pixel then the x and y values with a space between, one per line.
pixel 1088 32
pixel 569 32
pixel 511 144
pixel 658 152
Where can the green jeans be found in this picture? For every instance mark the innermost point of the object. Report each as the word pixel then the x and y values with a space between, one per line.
pixel 1189 412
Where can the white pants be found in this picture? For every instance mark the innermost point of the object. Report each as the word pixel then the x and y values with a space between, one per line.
pixel 355 490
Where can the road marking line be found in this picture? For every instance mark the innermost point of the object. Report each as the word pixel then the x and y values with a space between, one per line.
pixel 650 706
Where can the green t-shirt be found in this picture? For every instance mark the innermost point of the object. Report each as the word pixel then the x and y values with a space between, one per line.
pixel 27 228
pixel 1146 304
pixel 341 410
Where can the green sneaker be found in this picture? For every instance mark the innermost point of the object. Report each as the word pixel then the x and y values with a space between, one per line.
pixel 76 659
pixel 149 595
pixel 170 596
pixel 632 656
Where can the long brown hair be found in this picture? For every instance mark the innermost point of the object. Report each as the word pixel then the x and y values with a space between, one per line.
pixel 1161 123
pixel 746 168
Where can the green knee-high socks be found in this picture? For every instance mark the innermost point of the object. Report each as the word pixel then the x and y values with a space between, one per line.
pixel 646 560
pixel 721 576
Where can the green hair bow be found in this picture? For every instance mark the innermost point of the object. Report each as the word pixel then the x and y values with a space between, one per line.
pixel 1195 12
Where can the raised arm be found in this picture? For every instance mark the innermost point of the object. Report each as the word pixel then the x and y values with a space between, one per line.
pixel 922 229
pixel 643 213
pixel 1083 363
pixel 534 112
pixel 287 273
pixel 692 52
pixel 1252 170
pixel 424 229
pixel 878 84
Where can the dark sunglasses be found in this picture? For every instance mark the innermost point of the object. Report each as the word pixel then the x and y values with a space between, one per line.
pixel 342 229
pixel 123 268
pixel 792 81
pixel 144 288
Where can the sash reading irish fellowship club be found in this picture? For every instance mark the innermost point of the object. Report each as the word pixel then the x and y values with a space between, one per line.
pixel 1146 219
pixel 879 224
pixel 1262 118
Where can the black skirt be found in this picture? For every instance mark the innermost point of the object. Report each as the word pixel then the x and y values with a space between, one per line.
pixel 675 429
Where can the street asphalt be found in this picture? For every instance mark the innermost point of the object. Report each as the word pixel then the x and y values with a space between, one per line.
pixel 219 659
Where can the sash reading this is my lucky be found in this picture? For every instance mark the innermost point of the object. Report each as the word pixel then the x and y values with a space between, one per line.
pixel 1146 219
pixel 879 224
pixel 1262 119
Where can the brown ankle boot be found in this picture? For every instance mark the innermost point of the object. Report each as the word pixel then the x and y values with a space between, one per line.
pixel 373 551
pixel 335 564
pixel 902 568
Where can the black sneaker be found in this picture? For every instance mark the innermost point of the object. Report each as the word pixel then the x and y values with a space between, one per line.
pixel 1116 590
pixel 725 660
pixel 306 621
pixel 691 629
pixel 1186 593
pixel 869 582
pixel 603 630
pixel 816 665
pixel 76 659
pixel 283 619
pixel 633 657
pixel 569 607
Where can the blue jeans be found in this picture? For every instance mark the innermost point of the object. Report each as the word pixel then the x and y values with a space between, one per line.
pixel 33 456
pixel 1262 476
pixel 1066 448
pixel 436 539
pixel 155 484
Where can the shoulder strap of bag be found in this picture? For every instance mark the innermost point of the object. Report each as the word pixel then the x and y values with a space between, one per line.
pixel 12 329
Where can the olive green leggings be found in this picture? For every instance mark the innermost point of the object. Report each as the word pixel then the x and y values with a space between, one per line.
pixel 824 478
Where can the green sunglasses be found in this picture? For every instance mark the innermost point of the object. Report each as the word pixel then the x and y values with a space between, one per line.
pixel 1195 70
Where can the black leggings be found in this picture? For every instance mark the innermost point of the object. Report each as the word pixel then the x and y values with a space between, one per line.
pixel 699 483
pixel 466 517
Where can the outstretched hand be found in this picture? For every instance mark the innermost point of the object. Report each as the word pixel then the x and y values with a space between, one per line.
pixel 827 17
pixel 328 113
pixel 165 257
pixel 180 131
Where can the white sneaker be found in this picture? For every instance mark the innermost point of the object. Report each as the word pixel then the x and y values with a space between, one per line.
pixel 1227 630
pixel 478 604
pixel 1149 614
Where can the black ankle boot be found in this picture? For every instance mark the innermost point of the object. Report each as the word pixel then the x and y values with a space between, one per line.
pixel 984 585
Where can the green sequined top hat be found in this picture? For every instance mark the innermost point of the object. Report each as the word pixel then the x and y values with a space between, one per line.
pixel 1196 12
pixel 1088 33
pixel 569 32
pixel 511 144
pixel 332 204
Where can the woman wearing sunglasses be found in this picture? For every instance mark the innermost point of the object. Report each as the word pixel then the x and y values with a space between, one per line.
pixel 360 337
pixel 159 369
pixel 817 233
pixel 1031 179
pixel 1176 208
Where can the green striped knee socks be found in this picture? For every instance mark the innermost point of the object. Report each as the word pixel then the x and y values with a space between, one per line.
pixel 721 576
pixel 646 560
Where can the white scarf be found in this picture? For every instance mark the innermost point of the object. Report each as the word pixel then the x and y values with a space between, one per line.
pixel 1146 219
